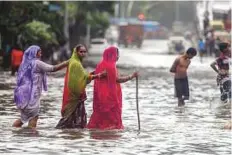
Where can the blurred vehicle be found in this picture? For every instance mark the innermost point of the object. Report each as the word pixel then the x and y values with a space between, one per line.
pixel 162 33
pixel 227 21
pixel 150 29
pixel 176 44
pixel 178 27
pixel 131 34
pixel 221 13
pixel 98 44
pixel 223 36
pixel 112 34
pixel 188 35
pixel 216 11
pixel 217 25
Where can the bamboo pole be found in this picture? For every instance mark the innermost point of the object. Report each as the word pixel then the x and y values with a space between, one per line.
pixel 137 101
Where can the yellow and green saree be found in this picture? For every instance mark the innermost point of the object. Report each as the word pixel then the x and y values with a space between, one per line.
pixel 73 109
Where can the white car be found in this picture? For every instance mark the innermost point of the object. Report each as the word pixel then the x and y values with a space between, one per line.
pixel 112 34
pixel 97 45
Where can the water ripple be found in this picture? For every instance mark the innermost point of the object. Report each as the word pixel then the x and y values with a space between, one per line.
pixel 196 129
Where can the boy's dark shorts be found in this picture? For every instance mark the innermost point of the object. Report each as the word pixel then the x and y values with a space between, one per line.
pixel 182 88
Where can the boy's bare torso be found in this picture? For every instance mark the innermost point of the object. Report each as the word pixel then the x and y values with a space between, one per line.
pixel 181 67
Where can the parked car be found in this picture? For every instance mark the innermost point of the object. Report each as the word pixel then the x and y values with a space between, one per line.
pixel 97 45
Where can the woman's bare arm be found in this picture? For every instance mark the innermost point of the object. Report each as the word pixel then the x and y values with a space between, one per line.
pixel 124 79
pixel 213 65
pixel 60 66
pixel 93 76
pixel 50 68
pixel 174 65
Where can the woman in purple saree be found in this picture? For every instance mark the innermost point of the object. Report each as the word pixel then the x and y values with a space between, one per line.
pixel 31 79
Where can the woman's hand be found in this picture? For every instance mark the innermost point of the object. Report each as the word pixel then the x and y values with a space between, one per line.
pixel 135 74
pixel 61 66
pixel 99 75
pixel 102 74
pixel 92 73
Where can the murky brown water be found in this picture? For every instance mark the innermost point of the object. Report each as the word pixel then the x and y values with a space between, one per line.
pixel 196 129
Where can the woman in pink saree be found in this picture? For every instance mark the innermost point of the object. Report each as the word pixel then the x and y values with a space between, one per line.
pixel 107 97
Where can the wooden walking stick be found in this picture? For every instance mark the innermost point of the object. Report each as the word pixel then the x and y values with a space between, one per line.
pixel 137 100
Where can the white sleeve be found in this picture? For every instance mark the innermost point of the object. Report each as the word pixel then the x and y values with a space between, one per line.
pixel 44 66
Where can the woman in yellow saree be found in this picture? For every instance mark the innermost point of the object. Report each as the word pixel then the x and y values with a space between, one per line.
pixel 76 78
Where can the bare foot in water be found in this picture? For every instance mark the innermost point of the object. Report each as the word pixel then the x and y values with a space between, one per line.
pixel 228 125
pixel 181 103
pixel 18 123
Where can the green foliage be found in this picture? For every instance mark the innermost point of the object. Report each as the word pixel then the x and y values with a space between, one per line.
pixel 99 22
pixel 34 22
pixel 72 9
pixel 38 32
pixel 98 13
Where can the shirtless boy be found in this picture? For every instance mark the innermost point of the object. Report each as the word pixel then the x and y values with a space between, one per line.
pixel 179 68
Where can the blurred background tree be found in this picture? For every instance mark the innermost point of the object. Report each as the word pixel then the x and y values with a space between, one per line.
pixel 30 21
pixel 38 32
pixel 95 13
pixel 36 23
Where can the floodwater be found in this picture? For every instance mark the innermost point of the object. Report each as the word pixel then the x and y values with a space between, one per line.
pixel 196 129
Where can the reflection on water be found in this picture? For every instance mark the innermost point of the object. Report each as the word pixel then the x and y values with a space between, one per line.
pixel 72 134
pixel 105 135
pixel 25 132
pixel 166 129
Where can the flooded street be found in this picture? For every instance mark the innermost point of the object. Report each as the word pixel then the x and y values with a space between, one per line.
pixel 147 36
pixel 196 129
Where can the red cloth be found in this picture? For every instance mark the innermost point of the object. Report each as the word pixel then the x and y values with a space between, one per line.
pixel 107 98
pixel 16 57
pixel 66 95
pixel 65 92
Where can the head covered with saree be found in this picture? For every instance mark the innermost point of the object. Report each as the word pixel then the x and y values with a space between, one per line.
pixel 76 79
pixel 25 72
pixel 111 54
pixel 107 90
pixel 107 98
